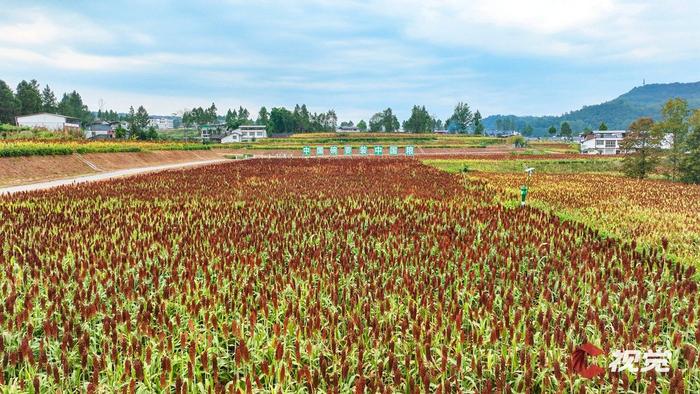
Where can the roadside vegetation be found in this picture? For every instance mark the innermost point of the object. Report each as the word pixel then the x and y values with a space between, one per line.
pixel 47 147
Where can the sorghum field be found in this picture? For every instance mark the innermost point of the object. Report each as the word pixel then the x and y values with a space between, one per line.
pixel 655 213
pixel 321 275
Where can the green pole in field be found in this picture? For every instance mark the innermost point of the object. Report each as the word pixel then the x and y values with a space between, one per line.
pixel 526 187
pixel 523 195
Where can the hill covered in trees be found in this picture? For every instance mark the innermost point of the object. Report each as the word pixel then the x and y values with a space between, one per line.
pixel 618 113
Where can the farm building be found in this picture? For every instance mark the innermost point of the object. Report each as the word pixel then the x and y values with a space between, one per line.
pixel 245 133
pixel 212 132
pixel 348 129
pixel 101 130
pixel 603 142
pixel 608 142
pixel 51 122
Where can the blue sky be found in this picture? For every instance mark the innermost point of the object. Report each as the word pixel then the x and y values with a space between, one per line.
pixel 532 57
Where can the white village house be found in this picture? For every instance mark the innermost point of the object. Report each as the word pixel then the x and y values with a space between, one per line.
pixel 101 130
pixel 245 133
pixel 161 123
pixel 608 142
pixel 603 142
pixel 51 122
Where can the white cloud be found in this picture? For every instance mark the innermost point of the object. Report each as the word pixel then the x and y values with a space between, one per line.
pixel 607 29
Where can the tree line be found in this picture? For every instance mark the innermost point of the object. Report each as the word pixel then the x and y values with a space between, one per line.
pixel 679 130
pixel 30 98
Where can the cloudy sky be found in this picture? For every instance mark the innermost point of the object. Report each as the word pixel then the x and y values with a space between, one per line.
pixel 501 56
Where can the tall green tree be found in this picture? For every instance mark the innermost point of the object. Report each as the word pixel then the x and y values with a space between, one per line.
pixel 675 123
pixel 72 105
pixel 461 119
pixel 478 123
pixel 690 163
pixel 9 108
pixel 419 122
pixel 376 122
pixel 132 122
pixel 303 119
pixel 211 114
pixel 528 130
pixel 565 130
pixel 29 97
pixel 263 117
pixel 603 126
pixel 362 125
pixel 48 100
pixel 231 119
pixel 138 122
pixel 243 115
pixel 389 121
pixel 281 121
pixel 142 117
pixel 552 131
pixel 642 145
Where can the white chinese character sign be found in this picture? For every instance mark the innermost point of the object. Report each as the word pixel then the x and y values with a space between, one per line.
pixel 393 150
pixel 334 151
pixel 319 151
pixel 635 361
pixel 306 151
pixel 630 361
pixel 378 150
pixel 347 150
pixel 363 150
pixel 408 150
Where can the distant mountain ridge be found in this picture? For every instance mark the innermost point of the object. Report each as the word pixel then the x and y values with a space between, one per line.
pixel 618 113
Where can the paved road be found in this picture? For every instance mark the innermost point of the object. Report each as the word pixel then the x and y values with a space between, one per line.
pixel 103 176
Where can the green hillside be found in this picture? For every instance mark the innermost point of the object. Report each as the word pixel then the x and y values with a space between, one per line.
pixel 617 114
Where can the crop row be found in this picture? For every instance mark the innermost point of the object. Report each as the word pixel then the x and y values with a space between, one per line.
pixel 323 275
pixel 45 148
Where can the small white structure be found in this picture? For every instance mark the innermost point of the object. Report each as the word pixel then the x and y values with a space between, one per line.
pixel 51 122
pixel 161 123
pixel 348 129
pixel 245 133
